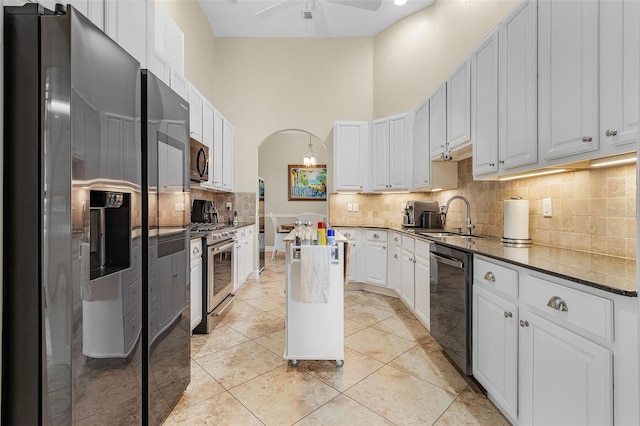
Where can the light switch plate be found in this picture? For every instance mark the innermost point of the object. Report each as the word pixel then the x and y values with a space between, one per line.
pixel 349 207
pixel 547 207
pixel 356 208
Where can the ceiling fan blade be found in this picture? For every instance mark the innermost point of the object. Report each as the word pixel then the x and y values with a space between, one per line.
pixel 360 4
pixel 320 21
pixel 275 9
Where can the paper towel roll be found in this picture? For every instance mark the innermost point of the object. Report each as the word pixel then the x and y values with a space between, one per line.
pixel 516 219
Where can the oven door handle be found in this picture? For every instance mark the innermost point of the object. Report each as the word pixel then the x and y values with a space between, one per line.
pixel 447 261
pixel 223 247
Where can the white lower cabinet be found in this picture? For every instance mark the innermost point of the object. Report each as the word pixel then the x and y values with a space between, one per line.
pixel 422 278
pixel 243 256
pixel 564 377
pixel 408 271
pixel 376 257
pixel 394 264
pixel 544 348
pixel 495 348
pixel 196 282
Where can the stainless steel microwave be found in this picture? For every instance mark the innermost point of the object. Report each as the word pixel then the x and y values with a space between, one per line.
pixel 199 161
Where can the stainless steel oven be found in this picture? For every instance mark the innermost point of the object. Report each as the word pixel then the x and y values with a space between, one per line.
pixel 451 302
pixel 219 277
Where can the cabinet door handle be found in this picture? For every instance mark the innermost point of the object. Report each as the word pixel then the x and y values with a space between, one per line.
pixel 558 304
pixel 395 256
pixel 490 277
pixel 587 139
pixel 492 165
pixel 610 133
pixel 395 239
pixel 524 323
pixel 507 314
pixel 195 250
pixel 384 247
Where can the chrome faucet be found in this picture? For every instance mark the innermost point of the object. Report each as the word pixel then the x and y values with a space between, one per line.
pixel 445 208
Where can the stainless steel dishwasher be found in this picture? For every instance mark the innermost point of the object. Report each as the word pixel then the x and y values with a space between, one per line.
pixel 452 277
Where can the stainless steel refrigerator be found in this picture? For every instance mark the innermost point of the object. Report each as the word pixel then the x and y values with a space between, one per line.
pixel 75 342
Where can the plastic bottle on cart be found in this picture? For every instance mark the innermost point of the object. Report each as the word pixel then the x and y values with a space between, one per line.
pixel 235 218
pixel 331 237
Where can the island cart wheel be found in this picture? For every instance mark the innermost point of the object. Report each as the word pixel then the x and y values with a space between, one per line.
pixel 339 363
pixel 293 362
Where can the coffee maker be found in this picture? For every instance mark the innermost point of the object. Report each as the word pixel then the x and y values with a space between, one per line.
pixel 422 214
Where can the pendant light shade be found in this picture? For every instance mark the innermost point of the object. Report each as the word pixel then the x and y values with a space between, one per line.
pixel 309 159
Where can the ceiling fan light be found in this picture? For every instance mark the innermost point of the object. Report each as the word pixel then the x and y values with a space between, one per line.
pixel 399 2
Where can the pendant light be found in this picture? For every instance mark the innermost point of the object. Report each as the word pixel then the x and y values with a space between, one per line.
pixel 309 159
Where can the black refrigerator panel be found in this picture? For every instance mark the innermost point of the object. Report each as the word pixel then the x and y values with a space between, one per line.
pixel 165 151
pixel 71 339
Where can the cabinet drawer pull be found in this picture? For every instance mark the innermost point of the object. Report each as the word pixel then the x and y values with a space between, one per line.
pixel 347 234
pixel 587 139
pixel 492 165
pixel 558 304
pixel 490 277
pixel 524 323
pixel 507 314
pixel 395 239
pixel 610 133
pixel 376 236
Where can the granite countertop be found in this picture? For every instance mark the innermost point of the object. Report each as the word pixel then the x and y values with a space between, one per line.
pixel 600 271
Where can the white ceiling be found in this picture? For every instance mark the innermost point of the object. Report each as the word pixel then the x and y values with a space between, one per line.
pixel 237 18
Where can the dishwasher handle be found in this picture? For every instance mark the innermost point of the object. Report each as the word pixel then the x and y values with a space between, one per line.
pixel 447 260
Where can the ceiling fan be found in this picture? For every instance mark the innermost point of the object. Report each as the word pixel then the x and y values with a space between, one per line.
pixel 314 11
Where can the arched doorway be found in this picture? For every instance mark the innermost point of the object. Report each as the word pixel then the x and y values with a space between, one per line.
pixel 275 154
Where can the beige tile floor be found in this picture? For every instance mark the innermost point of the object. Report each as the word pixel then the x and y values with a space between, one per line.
pixel 393 373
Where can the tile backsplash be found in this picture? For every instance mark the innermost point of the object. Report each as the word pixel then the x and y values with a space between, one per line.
pixel 242 202
pixel 593 210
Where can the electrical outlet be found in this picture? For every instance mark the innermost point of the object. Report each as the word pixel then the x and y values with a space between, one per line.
pixel 547 207
pixel 403 207
pixel 176 207
pixel 356 208
pixel 349 207
pixel 228 206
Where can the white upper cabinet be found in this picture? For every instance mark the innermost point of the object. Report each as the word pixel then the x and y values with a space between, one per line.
pixel 619 71
pixel 207 135
pixel 195 113
pixel 438 122
pixel 459 106
pixel 567 78
pixel 391 147
pixel 380 154
pixel 179 84
pixel 421 154
pixel 92 9
pixel 215 156
pixel 351 161
pixel 169 40
pixel 125 21
pixel 484 106
pixel 518 101
pixel 504 100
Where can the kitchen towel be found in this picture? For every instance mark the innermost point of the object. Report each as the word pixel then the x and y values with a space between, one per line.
pixel 516 219
pixel 314 273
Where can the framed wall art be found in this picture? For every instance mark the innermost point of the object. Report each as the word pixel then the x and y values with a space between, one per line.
pixel 307 183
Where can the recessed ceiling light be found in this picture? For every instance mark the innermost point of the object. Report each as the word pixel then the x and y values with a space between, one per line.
pixel 399 2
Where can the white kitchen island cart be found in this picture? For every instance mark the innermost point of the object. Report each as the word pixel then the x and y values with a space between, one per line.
pixel 314 303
